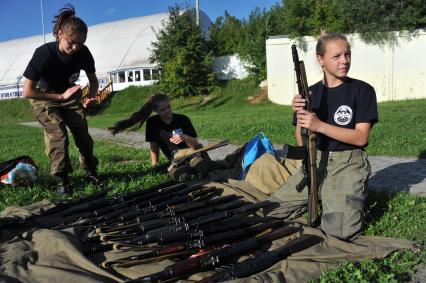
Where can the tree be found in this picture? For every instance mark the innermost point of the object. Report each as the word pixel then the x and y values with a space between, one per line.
pixel 260 25
pixel 182 56
pixel 226 35
pixel 377 20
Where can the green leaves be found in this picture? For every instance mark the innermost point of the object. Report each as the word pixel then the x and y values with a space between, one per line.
pixel 183 56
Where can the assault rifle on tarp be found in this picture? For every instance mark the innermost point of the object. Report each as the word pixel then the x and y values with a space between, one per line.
pixel 183 231
pixel 219 233
pixel 217 257
pixel 263 261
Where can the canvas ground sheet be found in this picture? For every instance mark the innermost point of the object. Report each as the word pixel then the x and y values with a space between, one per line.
pixel 31 253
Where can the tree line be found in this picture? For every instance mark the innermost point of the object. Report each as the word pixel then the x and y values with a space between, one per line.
pixel 184 55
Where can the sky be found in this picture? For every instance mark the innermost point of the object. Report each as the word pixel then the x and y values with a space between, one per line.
pixel 23 18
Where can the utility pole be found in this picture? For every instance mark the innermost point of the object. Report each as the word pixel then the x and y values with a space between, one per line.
pixel 42 20
pixel 197 12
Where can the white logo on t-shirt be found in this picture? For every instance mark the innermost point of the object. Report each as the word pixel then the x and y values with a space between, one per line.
pixel 73 78
pixel 343 115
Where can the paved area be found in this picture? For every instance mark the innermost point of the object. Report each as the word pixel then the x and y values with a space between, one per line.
pixel 390 173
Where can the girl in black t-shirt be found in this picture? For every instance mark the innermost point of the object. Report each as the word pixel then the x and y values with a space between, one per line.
pixel 343 112
pixel 167 131
pixel 56 99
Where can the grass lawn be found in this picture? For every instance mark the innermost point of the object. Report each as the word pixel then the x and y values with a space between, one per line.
pixel 227 114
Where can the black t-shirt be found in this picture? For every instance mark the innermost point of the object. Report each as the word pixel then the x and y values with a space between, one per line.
pixel 56 72
pixel 352 102
pixel 160 132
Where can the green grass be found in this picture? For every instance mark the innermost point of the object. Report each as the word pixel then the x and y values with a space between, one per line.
pixel 122 168
pixel 227 114
pixel 396 216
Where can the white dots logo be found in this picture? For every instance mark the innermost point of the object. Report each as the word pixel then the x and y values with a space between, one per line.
pixel 343 115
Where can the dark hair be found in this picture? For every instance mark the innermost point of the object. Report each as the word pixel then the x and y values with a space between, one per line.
pixel 66 21
pixel 139 117
pixel 325 37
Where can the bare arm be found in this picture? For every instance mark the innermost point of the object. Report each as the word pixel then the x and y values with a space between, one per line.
pixel 30 91
pixel 93 89
pixel 188 140
pixel 358 136
pixel 297 135
pixel 155 153
pixel 93 84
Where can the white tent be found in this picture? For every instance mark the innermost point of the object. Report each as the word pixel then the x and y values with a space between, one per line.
pixel 118 45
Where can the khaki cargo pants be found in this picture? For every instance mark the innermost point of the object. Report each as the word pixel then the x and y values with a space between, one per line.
pixel 342 183
pixel 54 119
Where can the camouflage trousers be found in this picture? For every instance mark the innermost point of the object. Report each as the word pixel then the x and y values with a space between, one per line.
pixel 342 185
pixel 54 119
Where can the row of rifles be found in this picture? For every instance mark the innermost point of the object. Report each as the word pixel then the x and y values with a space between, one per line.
pixel 195 225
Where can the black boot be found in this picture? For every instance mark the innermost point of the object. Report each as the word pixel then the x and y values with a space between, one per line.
pixel 62 184
pixel 92 176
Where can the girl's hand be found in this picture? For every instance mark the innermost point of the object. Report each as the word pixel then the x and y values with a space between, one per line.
pixel 297 103
pixel 308 120
pixel 177 138
pixel 69 92
pixel 89 101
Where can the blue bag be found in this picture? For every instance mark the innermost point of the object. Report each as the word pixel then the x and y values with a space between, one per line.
pixel 257 146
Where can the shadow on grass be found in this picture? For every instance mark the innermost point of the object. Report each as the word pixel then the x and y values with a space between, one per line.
pixel 377 205
pixel 128 176
pixel 422 154
pixel 214 102
pixel 400 177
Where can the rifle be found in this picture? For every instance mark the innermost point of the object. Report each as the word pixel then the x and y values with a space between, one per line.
pixel 227 232
pixel 265 260
pixel 308 140
pixel 185 227
pixel 211 259
pixel 185 155
pixel 158 202
pixel 86 209
pixel 184 211
pixel 188 230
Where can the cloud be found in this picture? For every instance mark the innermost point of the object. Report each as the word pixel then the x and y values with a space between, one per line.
pixel 110 11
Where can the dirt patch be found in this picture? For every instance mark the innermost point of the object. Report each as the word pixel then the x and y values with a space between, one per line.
pixel 259 97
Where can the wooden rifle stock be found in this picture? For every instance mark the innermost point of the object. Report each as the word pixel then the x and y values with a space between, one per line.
pixel 308 139
pixel 215 257
pixel 259 263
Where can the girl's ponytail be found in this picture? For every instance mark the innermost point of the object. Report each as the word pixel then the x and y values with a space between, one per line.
pixel 138 118
pixel 67 20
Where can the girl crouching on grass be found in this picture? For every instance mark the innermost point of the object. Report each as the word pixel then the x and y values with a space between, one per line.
pixel 168 132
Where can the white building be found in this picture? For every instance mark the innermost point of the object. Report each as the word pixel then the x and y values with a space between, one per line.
pixel 396 72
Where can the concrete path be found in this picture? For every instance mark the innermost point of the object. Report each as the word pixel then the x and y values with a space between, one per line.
pixel 391 173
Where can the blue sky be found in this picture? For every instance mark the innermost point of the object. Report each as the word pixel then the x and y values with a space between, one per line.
pixel 22 18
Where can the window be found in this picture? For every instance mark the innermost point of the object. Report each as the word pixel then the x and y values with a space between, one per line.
pixel 121 78
pixel 114 78
pixel 146 74
pixel 137 76
pixel 155 74
pixel 130 76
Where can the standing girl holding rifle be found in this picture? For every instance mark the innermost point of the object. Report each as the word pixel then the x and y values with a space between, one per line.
pixel 344 111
